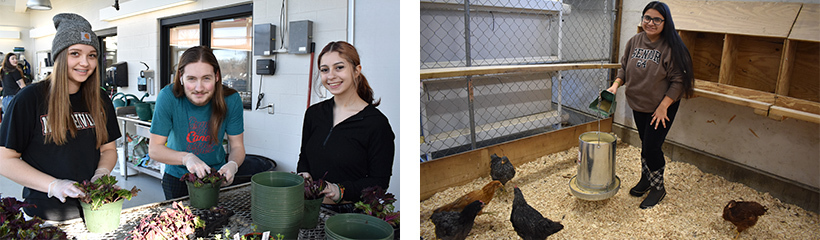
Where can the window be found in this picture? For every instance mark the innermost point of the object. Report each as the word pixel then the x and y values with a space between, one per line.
pixel 228 31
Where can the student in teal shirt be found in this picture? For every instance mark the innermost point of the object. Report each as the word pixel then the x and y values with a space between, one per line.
pixel 184 117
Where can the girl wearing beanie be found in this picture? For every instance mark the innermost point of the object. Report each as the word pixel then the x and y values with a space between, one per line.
pixel 61 130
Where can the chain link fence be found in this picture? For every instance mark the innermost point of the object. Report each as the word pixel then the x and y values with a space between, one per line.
pixel 463 113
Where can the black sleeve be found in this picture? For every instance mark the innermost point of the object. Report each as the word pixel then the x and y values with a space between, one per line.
pixel 19 120
pixel 380 161
pixel 302 165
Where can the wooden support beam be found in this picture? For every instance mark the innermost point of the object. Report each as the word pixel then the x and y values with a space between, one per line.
pixel 786 68
pixel 454 170
pixel 482 70
pixel 727 59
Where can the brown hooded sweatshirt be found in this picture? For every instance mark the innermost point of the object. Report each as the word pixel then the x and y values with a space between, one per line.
pixel 649 73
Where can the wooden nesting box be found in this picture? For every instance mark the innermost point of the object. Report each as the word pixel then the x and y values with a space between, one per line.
pixel 762 55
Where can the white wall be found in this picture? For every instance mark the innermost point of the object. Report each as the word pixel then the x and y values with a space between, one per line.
pixel 16 22
pixel 788 148
pixel 276 136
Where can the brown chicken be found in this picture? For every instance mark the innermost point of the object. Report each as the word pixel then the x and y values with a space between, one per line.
pixel 485 194
pixel 743 214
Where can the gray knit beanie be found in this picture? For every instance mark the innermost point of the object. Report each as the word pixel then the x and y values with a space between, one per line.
pixel 72 29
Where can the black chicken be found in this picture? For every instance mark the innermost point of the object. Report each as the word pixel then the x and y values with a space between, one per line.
pixel 501 169
pixel 456 225
pixel 528 222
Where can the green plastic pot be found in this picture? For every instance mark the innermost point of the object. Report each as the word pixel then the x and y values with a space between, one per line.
pixel 203 197
pixel 357 226
pixel 103 220
pixel 277 202
pixel 144 111
pixel 311 216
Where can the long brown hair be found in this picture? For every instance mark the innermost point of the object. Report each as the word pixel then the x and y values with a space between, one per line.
pixel 218 106
pixel 8 67
pixel 60 121
pixel 349 53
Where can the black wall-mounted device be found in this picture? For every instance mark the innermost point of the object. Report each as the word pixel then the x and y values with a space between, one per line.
pixel 117 74
pixel 265 66
pixel 264 39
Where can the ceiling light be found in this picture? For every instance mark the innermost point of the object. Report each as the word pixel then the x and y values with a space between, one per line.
pixel 39 4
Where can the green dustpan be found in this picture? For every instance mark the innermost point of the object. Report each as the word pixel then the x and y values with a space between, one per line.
pixel 605 104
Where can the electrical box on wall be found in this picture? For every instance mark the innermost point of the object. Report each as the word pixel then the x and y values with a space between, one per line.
pixel 300 35
pixel 264 39
pixel 265 67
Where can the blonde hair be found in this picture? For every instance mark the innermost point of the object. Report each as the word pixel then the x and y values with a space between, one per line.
pixel 59 121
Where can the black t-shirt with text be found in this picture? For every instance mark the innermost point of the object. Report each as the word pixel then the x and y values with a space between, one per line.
pixel 24 129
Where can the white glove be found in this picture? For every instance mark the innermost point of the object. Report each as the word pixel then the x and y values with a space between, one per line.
pixel 99 173
pixel 229 171
pixel 62 188
pixel 195 165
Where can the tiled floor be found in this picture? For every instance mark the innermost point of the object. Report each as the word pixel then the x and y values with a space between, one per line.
pixel 150 188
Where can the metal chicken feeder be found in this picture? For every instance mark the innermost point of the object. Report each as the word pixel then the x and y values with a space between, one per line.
pixel 596 178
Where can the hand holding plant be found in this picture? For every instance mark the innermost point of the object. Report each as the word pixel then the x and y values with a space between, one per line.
pixel 104 190
pixel 214 177
pixel 313 189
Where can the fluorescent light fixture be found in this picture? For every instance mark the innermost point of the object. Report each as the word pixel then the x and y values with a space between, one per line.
pixel 39 4
pixel 9 34
pixel 133 8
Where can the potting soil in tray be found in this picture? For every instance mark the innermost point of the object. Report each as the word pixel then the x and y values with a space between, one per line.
pixel 214 218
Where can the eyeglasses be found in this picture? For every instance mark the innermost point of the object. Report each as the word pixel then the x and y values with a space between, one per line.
pixel 656 21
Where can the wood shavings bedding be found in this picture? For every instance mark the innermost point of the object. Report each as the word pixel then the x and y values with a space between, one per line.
pixel 692 209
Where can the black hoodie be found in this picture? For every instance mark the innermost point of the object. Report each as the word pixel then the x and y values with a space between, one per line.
pixel 356 153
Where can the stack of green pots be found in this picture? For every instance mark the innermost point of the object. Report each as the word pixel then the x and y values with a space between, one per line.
pixel 277 202
pixel 357 226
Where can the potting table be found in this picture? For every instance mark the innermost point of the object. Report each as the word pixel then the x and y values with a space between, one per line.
pixel 236 198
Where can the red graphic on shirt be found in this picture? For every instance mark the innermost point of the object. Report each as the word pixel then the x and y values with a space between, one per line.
pixel 198 139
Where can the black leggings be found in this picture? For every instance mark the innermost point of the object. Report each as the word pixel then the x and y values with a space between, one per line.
pixel 652 139
pixel 173 187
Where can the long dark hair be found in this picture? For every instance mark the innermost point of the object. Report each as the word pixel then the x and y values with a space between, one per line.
pixel 8 67
pixel 349 53
pixel 680 53
pixel 218 106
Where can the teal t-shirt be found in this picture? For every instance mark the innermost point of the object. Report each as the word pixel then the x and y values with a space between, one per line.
pixel 186 126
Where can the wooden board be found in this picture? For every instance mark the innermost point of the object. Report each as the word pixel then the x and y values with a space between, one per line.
pixel 705 50
pixel 748 18
pixel 735 95
pixel 804 82
pixel 798 104
pixel 807 25
pixel 756 62
pixel 442 173
pixel 482 70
